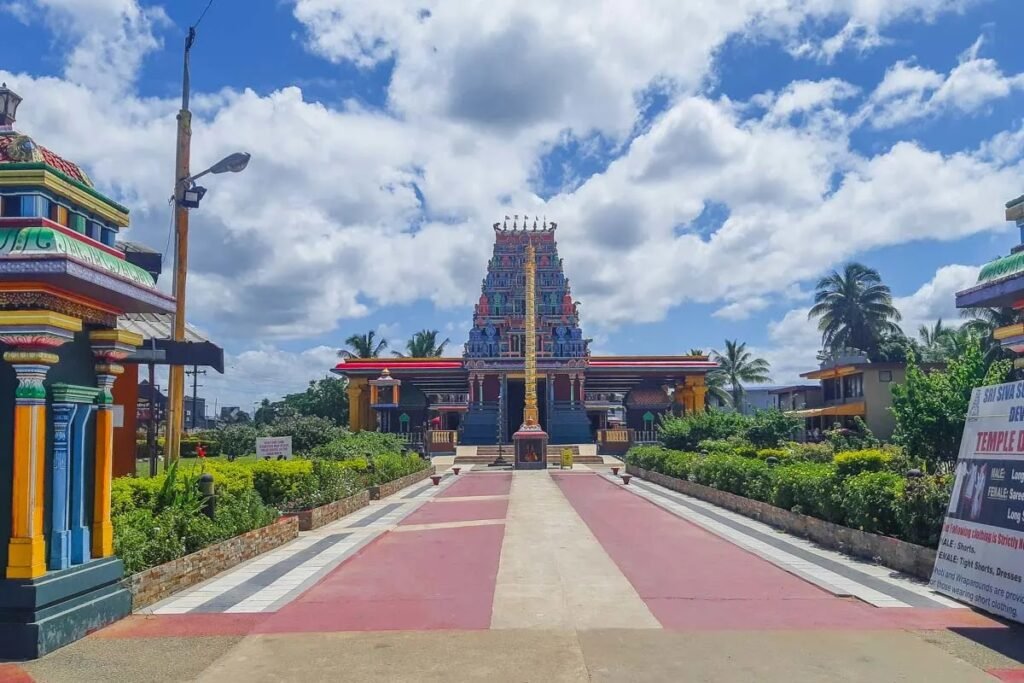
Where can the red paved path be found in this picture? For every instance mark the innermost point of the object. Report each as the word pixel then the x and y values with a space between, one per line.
pixel 457 511
pixel 479 485
pixel 417 580
pixel 691 579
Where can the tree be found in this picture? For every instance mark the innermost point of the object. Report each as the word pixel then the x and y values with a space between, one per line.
pixel 423 344
pixel 854 309
pixel 322 398
pixel 363 346
pixel 717 394
pixel 930 407
pixel 740 366
pixel 934 341
pixel 983 322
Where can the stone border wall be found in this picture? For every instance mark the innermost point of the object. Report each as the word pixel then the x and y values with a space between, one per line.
pixel 156 583
pixel 891 552
pixel 325 514
pixel 396 485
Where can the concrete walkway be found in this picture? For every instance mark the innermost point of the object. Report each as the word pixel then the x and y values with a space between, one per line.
pixel 544 576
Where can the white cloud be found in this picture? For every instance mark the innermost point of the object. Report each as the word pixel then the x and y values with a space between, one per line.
pixel 909 92
pixel 743 309
pixel 266 372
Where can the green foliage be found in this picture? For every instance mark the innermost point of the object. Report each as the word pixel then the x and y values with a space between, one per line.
pixel 811 452
pixel 326 398
pixel 854 310
pixel 734 445
pixel 365 444
pixel 423 344
pixel 363 346
pixel 922 509
pixel 854 462
pixel 237 440
pixel 870 500
pixel 780 454
pixel 809 488
pixel 856 438
pixel 738 366
pixel 307 432
pixel 748 477
pixel 680 464
pixel 930 407
pixel 391 466
pixel 685 433
pixel 650 458
pixel 770 428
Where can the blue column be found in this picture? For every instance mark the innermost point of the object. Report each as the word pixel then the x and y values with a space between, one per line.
pixel 60 531
pixel 79 520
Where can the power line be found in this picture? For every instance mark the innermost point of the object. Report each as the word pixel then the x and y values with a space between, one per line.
pixel 200 19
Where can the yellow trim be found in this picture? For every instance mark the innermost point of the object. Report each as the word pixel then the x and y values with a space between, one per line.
pixel 102 529
pixel 65 189
pixel 832 373
pixel 26 551
pixel 843 409
pixel 1015 330
pixel 48 318
pixel 117 336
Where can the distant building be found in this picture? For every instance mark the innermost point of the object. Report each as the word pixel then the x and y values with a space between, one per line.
pixel 199 410
pixel 756 399
pixel 851 387
pixel 798 397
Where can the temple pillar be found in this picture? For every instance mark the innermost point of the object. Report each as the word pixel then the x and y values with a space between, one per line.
pixel 683 397
pixel 32 335
pixel 60 521
pixel 700 391
pixel 108 347
pixel 80 540
pixel 356 387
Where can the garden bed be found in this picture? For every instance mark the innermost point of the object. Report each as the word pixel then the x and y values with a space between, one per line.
pixel 156 583
pixel 393 487
pixel 891 552
pixel 325 514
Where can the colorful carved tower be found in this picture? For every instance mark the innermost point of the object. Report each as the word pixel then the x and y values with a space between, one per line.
pixel 495 354
pixel 63 283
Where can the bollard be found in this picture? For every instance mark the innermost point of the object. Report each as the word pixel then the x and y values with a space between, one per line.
pixel 456 470
pixel 436 478
pixel 206 491
pixel 626 478
pixel 615 471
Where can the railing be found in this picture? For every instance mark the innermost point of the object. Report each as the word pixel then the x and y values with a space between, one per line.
pixel 614 441
pixel 413 438
pixel 645 436
pixel 443 436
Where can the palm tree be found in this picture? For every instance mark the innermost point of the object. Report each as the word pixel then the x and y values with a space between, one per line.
pixel 983 322
pixel 423 344
pixel 738 366
pixel 855 309
pixel 936 341
pixel 715 380
pixel 363 346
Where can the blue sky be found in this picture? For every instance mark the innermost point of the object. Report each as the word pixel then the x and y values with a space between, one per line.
pixel 706 161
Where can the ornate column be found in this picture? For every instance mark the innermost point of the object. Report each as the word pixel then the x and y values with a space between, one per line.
pixel 108 347
pixel 356 387
pixel 683 397
pixel 60 521
pixel 700 391
pixel 32 336
pixel 80 541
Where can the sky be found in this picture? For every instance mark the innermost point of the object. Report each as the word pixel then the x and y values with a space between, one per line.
pixel 706 160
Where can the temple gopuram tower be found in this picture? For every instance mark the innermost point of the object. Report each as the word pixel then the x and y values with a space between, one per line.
pixel 496 351
pixel 63 284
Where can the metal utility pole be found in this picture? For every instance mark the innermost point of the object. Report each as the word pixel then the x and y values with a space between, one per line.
pixel 195 372
pixel 176 389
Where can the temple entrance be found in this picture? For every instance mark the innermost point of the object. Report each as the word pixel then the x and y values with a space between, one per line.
pixel 514 398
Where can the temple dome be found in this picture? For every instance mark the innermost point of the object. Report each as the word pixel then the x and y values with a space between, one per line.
pixel 16 148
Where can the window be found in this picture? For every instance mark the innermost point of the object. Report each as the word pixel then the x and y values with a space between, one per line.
pixel 59 214
pixel 78 223
pixel 92 229
pixel 885 375
pixel 32 205
pixel 853 386
pixel 830 388
pixel 109 237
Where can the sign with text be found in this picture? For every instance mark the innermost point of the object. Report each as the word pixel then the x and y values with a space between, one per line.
pixel 981 554
pixel 274 447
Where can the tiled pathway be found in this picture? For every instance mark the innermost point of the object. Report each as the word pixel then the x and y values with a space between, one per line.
pixel 548 576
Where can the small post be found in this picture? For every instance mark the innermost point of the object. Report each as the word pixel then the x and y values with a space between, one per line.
pixel 615 470
pixel 626 478
pixel 436 478
pixel 206 490
pixel 456 470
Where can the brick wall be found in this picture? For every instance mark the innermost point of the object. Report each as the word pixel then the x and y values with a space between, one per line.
pixel 156 583
pixel 325 514
pixel 397 485
pixel 891 552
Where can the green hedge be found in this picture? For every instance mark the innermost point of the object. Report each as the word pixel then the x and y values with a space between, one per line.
pixel 864 489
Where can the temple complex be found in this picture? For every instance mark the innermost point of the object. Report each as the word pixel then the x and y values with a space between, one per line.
pixel 63 284
pixel 479 399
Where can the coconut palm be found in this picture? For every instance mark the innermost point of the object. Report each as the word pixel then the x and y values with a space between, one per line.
pixel 936 341
pixel 423 344
pixel 740 367
pixel 717 394
pixel 363 346
pixel 983 322
pixel 854 309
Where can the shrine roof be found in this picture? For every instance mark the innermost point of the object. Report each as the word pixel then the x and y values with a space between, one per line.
pixel 16 148
pixel 396 364
pixel 654 362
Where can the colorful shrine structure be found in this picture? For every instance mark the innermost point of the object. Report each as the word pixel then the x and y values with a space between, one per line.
pixel 63 284
pixel 1001 285
pixel 479 399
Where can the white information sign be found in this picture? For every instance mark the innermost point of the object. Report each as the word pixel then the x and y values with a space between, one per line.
pixel 981 553
pixel 274 447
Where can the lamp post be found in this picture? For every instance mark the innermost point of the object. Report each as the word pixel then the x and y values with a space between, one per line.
pixel 187 195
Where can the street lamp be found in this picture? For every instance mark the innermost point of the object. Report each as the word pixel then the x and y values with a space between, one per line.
pixel 186 195
pixel 9 101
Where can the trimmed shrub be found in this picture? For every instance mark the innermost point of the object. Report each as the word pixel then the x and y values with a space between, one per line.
pixel 734 445
pixel 811 452
pixel 307 432
pixel 870 501
pixel 367 445
pixel 679 464
pixel 647 457
pixel 743 476
pixel 686 432
pixel 854 462
pixel 780 454
pixel 808 488
pixel 771 428
pixel 921 509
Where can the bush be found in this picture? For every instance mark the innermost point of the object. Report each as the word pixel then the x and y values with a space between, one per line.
pixel 808 488
pixel 367 445
pixel 307 432
pixel 650 458
pixel 921 509
pixel 811 452
pixel 680 464
pixel 855 439
pixel 771 428
pixel 854 462
pixel 734 445
pixel 686 432
pixel 391 466
pixel 743 476
pixel 780 454
pixel 869 501
pixel 237 440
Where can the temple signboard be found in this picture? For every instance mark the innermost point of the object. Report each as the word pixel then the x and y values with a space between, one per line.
pixel 981 553
pixel 274 448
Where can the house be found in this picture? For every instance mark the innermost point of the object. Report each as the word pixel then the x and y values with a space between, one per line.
pixel 756 399
pixel 797 397
pixel 852 386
